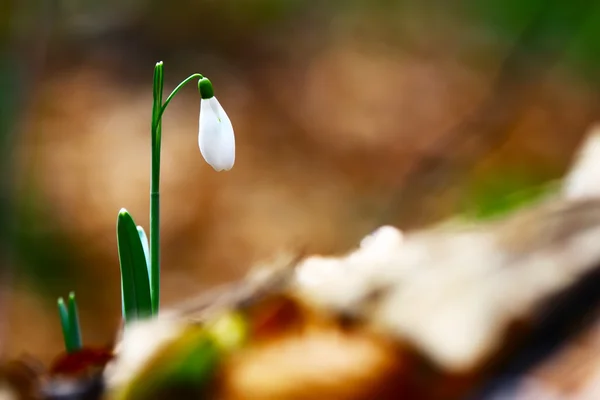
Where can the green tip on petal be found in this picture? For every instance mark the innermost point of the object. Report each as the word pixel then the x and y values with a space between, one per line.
pixel 206 88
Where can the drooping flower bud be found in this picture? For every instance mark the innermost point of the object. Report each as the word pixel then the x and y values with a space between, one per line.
pixel 215 137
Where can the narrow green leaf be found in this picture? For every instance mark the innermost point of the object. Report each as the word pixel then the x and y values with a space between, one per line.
pixel 146 247
pixel 74 328
pixel 137 301
pixel 66 326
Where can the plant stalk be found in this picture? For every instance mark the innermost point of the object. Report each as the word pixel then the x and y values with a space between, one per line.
pixel 156 130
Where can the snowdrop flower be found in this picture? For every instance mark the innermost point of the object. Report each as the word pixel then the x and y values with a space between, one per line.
pixel 215 138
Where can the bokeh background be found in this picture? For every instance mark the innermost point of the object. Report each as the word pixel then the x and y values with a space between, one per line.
pixel 348 115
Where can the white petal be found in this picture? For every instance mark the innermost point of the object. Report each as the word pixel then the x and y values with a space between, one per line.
pixel 216 139
pixel 227 136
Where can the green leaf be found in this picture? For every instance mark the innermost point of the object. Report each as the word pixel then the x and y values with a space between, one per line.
pixel 66 326
pixel 74 329
pixel 135 282
pixel 146 247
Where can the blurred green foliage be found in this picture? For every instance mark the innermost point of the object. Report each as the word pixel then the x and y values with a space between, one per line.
pixel 179 371
pixel 502 192
pixel 572 24
pixel 45 256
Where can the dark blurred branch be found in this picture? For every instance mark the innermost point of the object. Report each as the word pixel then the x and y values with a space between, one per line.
pixel 536 50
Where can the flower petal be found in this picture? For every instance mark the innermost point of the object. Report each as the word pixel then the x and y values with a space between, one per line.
pixel 216 138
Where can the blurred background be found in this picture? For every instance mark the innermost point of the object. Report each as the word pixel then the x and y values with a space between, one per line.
pixel 348 115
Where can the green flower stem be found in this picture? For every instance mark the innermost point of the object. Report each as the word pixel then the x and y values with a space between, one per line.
pixel 157 111
pixel 155 240
pixel 155 188
pixel 174 92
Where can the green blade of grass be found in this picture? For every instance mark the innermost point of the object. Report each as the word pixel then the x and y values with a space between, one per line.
pixel 137 301
pixel 65 324
pixel 74 329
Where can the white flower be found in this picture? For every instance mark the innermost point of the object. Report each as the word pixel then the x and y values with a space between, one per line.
pixel 215 138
